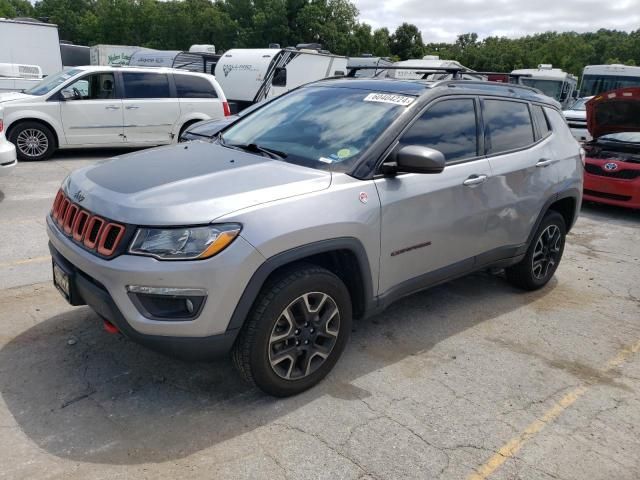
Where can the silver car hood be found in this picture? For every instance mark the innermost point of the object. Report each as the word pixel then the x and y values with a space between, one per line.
pixel 187 184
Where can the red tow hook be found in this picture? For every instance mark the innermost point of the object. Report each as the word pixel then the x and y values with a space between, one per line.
pixel 110 327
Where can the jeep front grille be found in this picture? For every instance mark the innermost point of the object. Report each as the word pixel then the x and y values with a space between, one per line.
pixel 90 231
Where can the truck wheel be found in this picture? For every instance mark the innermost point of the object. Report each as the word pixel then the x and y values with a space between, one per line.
pixel 33 140
pixel 543 255
pixel 296 331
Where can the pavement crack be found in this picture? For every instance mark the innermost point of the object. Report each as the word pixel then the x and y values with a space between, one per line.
pixel 328 445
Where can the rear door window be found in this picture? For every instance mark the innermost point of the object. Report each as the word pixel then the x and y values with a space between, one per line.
pixel 146 85
pixel 191 86
pixel 507 125
pixel 450 127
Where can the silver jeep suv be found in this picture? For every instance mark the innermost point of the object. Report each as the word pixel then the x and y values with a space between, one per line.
pixel 320 206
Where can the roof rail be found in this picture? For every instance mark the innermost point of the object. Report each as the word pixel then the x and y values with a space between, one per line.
pixel 455 71
pixel 424 70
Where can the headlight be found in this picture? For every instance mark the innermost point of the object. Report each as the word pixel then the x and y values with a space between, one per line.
pixel 183 243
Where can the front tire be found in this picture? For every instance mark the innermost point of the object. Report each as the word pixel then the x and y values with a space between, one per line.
pixel 296 331
pixel 543 255
pixel 33 140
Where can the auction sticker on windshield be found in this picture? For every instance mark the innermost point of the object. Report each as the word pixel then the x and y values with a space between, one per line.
pixel 389 98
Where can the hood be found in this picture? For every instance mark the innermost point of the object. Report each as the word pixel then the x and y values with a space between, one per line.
pixel 12 96
pixel 188 184
pixel 614 112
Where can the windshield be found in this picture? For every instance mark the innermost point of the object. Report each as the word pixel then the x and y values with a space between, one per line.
pixel 623 137
pixel 580 104
pixel 551 88
pixel 596 84
pixel 319 127
pixel 52 81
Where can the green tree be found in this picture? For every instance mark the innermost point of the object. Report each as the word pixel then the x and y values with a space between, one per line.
pixel 406 42
pixel 381 42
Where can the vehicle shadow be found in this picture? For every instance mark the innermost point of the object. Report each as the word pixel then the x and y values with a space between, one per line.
pixel 82 394
pixel 612 214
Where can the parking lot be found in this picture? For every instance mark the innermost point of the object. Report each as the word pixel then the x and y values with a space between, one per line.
pixel 472 379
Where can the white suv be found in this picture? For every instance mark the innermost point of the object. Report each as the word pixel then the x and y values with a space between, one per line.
pixel 98 106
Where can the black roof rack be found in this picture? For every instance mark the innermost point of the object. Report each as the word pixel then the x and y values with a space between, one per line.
pixel 426 71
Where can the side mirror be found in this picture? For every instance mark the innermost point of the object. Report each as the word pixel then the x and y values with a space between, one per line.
pixel 416 159
pixel 66 95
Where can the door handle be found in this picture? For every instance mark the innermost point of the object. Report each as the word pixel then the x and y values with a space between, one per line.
pixel 112 107
pixel 544 162
pixel 475 180
pixel 132 107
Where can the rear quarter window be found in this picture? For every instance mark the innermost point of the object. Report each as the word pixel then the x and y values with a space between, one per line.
pixel 541 120
pixel 507 125
pixel 191 86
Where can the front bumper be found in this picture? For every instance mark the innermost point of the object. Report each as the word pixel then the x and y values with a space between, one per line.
pixel 612 191
pixel 224 277
pixel 8 159
pixel 86 291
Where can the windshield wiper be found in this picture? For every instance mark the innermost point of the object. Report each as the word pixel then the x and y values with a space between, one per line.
pixel 255 148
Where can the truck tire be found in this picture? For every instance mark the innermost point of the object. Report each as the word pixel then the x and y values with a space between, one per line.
pixel 33 140
pixel 296 331
pixel 543 255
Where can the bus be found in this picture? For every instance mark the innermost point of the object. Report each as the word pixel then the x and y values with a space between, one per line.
pixel 597 79
pixel 553 82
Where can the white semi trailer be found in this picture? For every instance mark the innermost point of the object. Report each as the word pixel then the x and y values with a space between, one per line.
pixel 30 50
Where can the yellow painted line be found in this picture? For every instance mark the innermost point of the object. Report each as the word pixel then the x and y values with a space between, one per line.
pixel 509 449
pixel 26 261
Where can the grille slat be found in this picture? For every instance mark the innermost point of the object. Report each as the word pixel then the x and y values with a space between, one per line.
pixel 622 174
pixel 92 232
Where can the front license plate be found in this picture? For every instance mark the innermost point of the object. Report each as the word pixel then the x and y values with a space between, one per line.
pixel 61 281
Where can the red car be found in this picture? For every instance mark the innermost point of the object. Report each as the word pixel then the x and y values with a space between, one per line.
pixel 612 164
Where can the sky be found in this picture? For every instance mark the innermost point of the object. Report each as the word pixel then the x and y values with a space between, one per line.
pixel 444 20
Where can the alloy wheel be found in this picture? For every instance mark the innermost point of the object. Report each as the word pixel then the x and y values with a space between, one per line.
pixel 304 335
pixel 32 142
pixel 546 253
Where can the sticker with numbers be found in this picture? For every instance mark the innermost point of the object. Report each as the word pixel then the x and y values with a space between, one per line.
pixel 402 100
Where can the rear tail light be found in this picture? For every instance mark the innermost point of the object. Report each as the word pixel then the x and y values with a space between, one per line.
pixel 226 109
pixel 1 125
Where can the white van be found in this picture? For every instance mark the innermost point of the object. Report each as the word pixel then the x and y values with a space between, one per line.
pixel 248 76
pixel 100 106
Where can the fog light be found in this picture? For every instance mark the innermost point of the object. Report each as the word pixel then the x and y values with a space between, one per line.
pixel 166 303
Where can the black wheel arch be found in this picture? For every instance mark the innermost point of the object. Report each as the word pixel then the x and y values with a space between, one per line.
pixel 345 256
pixel 566 203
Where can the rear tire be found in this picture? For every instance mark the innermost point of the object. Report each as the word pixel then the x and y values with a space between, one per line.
pixel 33 140
pixel 543 255
pixel 296 331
